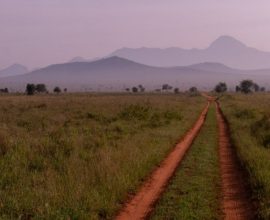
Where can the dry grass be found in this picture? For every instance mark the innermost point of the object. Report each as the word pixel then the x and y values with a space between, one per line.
pixel 78 156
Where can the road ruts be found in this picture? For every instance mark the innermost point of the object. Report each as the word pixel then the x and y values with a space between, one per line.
pixel 141 205
pixel 235 201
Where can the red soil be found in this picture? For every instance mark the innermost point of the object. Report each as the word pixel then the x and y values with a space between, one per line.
pixel 236 202
pixel 141 205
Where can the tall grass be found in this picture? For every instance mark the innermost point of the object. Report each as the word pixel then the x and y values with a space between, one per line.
pixel 248 116
pixel 80 156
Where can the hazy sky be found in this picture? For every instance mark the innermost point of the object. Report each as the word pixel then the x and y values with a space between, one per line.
pixel 40 32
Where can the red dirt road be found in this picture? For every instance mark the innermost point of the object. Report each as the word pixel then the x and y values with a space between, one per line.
pixel 141 205
pixel 235 201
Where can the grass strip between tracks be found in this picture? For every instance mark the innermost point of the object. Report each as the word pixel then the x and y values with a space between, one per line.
pixel 194 191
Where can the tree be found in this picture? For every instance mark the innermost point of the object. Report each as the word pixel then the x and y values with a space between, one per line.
pixel 30 89
pixel 41 88
pixel 5 90
pixel 246 86
pixel 134 89
pixel 57 90
pixel 65 90
pixel 127 89
pixel 176 90
pixel 221 87
pixel 166 87
pixel 193 89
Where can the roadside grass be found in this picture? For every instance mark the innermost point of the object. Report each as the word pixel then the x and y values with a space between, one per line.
pixel 194 191
pixel 80 156
pixel 248 117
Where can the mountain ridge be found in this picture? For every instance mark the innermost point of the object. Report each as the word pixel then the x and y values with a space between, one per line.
pixel 225 49
pixel 117 72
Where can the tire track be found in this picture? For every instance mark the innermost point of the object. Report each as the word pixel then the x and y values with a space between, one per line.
pixel 141 205
pixel 236 200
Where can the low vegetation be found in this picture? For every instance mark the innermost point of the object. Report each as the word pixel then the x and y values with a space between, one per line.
pixel 80 156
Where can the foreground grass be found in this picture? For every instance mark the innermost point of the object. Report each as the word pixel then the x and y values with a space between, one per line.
pixel 194 191
pixel 79 156
pixel 249 119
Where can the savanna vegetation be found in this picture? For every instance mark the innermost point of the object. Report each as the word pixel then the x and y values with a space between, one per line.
pixel 249 119
pixel 80 156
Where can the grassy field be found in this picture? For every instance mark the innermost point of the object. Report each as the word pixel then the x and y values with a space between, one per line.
pixel 194 191
pixel 249 119
pixel 80 156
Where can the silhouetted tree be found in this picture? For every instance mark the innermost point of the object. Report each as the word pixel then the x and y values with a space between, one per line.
pixel 41 88
pixel 193 89
pixel 5 90
pixel 30 89
pixel 221 87
pixel 65 90
pixel 127 89
pixel 176 90
pixel 166 87
pixel 57 90
pixel 134 89
pixel 246 86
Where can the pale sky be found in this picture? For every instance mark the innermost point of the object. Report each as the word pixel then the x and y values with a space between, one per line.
pixel 36 33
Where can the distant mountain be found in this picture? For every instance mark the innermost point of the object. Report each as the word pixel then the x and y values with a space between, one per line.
pixel 81 59
pixel 13 70
pixel 225 49
pixel 116 72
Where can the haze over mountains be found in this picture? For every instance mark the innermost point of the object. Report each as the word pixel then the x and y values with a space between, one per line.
pixel 115 73
pixel 226 50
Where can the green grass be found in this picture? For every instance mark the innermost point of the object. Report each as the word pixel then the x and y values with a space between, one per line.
pixel 194 191
pixel 249 119
pixel 79 156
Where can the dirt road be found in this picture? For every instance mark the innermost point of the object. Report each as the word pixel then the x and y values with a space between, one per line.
pixel 235 201
pixel 141 205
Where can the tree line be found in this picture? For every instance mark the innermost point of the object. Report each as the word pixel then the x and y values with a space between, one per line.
pixel 31 89
pixel 245 86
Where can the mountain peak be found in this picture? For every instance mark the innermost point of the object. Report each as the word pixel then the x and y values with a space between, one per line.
pixel 14 69
pixel 226 42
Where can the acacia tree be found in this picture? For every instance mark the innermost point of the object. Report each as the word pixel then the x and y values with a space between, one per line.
pixel 134 89
pixel 41 88
pixel 221 87
pixel 57 90
pixel 246 86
